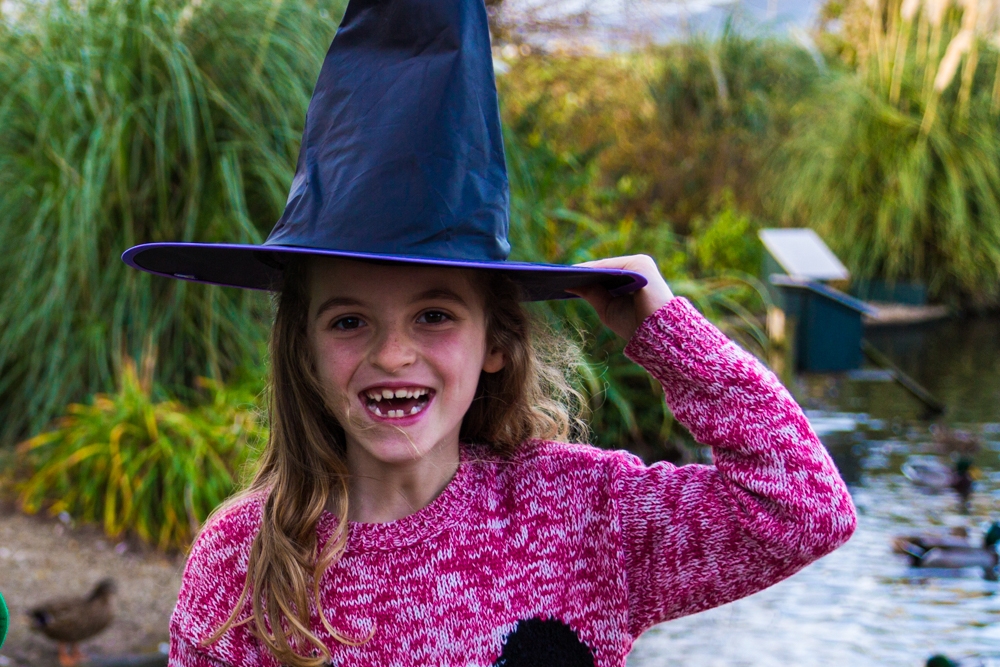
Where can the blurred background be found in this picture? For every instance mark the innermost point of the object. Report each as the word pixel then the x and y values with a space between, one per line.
pixel 131 406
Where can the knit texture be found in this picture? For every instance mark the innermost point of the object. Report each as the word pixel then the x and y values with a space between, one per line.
pixel 562 554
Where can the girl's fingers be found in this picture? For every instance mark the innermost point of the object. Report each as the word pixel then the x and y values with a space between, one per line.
pixel 616 313
pixel 624 313
pixel 595 295
pixel 642 264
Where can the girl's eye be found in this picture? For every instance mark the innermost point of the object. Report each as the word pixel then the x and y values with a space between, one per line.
pixel 433 317
pixel 347 323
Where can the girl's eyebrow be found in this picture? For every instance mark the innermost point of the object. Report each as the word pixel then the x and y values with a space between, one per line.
pixel 333 302
pixel 441 293
pixel 438 293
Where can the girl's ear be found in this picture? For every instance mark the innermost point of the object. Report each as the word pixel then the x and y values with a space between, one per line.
pixel 495 360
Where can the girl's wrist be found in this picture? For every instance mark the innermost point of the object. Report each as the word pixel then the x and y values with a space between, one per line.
pixel 650 299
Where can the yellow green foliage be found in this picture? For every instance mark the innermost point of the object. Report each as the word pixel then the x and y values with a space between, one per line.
pixel 727 241
pixel 154 469
pixel 670 128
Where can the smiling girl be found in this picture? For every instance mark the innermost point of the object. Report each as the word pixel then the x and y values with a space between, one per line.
pixel 418 501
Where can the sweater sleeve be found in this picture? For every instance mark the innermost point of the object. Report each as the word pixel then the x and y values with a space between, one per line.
pixel 698 536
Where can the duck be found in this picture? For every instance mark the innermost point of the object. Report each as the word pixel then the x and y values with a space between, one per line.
pixel 906 545
pixel 931 473
pixel 71 620
pixel 941 660
pixel 951 551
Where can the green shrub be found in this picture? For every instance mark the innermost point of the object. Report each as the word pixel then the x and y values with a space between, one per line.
pixel 627 404
pixel 128 121
pixel 154 469
pixel 727 241
pixel 723 104
pixel 671 127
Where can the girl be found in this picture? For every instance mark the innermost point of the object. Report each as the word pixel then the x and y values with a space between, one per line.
pixel 417 502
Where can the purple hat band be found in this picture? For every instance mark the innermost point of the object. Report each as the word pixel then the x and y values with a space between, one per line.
pixel 260 267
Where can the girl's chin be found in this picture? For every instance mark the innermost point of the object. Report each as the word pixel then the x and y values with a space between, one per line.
pixel 394 451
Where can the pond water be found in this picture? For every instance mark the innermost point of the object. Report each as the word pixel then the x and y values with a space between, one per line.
pixel 863 605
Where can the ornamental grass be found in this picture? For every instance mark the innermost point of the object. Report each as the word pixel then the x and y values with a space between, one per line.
pixel 129 121
pixel 897 164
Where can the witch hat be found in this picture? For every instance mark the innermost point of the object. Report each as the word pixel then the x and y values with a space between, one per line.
pixel 402 160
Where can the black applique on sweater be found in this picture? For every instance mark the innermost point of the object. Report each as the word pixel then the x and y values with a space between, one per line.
pixel 544 643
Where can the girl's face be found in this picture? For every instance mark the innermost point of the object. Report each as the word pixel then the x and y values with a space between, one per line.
pixel 398 350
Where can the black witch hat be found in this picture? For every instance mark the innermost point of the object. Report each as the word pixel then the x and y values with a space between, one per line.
pixel 402 160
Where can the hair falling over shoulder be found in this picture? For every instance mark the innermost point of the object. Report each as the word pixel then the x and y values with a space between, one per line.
pixel 303 470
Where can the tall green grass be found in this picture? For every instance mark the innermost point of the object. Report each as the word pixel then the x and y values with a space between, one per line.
pixel 895 202
pixel 897 162
pixel 128 121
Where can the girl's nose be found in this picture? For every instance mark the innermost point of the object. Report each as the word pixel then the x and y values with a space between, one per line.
pixel 392 351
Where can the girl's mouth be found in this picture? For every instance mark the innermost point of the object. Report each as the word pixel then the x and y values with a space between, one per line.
pixel 396 402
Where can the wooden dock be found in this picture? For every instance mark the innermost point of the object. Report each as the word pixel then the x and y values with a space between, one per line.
pixel 899 314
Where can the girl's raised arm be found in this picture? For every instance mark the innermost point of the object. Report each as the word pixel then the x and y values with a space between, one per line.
pixel 699 536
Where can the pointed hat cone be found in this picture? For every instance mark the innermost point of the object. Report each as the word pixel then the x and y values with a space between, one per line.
pixel 402 160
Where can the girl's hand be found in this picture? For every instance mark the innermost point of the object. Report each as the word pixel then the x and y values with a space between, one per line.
pixel 623 314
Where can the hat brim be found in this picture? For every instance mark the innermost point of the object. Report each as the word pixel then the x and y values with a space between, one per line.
pixel 260 267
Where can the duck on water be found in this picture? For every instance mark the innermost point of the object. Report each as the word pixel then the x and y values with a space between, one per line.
pixel 951 551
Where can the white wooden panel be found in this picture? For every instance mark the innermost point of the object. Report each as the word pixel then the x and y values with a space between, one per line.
pixel 802 254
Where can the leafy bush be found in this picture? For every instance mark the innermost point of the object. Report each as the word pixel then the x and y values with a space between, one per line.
pixel 628 406
pixel 132 464
pixel 128 121
pixel 727 241
pixel 671 127
pixel 723 104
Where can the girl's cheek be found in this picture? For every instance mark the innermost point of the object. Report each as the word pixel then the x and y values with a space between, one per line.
pixel 333 366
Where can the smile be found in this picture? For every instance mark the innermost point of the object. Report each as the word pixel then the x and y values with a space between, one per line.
pixel 396 402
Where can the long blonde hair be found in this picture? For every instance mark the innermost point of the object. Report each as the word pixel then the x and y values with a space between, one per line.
pixel 302 467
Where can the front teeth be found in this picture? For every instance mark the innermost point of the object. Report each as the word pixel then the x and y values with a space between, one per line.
pixel 378 394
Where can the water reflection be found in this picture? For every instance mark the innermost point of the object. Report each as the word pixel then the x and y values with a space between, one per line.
pixel 863 605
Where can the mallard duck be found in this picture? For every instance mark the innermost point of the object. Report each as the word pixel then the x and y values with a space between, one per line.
pixel 970 661
pixel 951 551
pixel 73 620
pixel 940 661
pixel 908 544
pixel 929 472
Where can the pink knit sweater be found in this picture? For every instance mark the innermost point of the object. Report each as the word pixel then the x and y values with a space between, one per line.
pixel 563 554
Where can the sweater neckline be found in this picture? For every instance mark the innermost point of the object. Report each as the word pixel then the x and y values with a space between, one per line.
pixel 438 515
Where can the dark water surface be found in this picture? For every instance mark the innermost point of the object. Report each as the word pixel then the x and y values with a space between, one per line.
pixel 863 605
